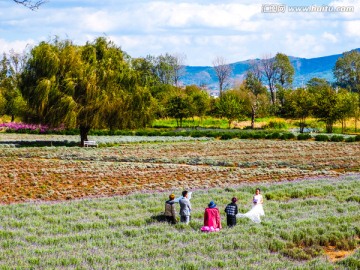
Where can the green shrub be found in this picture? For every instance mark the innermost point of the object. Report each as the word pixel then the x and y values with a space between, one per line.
pixel 123 132
pixel 197 134
pixel 213 134
pixel 276 125
pixel 226 136
pixel 287 136
pixel 357 230
pixel 357 138
pixel 189 266
pixel 285 235
pixel 276 245
pixel 98 132
pixel 131 233
pixel 169 133
pixel 258 135
pixel 302 253
pixel 323 241
pixel 337 138
pixel 342 244
pixel 353 199
pixel 72 132
pixel 321 138
pixel 350 139
pixel 141 133
pixel 304 136
pixel 296 254
pixel 350 263
pixel 297 194
pixel 245 135
pixel 275 135
pixel 154 133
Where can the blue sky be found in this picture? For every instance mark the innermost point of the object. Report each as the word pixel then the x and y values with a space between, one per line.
pixel 199 29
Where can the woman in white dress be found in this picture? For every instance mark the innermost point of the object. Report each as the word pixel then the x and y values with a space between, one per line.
pixel 257 210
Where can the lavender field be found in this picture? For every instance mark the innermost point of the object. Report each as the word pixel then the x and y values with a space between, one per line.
pixel 304 221
pixel 101 208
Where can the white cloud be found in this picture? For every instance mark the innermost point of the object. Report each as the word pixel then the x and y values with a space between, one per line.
pixel 308 45
pixel 164 15
pixel 201 29
pixel 18 46
pixel 330 37
pixel 99 21
pixel 352 28
pixel 347 4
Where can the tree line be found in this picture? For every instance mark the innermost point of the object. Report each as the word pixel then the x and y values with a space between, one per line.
pixel 99 86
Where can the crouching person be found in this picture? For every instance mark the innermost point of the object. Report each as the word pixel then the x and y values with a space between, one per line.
pixel 170 213
pixel 212 220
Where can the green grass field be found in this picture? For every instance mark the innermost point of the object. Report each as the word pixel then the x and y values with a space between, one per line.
pixel 207 122
pixel 124 232
pixel 212 122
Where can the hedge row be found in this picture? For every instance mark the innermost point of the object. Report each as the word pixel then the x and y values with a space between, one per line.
pixel 336 138
pixel 223 135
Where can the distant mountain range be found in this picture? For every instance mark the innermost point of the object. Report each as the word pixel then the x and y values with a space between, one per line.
pixel 305 69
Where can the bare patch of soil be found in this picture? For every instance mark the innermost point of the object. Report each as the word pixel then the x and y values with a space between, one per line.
pixel 335 255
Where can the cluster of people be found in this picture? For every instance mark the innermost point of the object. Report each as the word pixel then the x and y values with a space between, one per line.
pixel 212 219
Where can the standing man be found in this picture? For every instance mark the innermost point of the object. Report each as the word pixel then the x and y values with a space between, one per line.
pixel 231 210
pixel 185 208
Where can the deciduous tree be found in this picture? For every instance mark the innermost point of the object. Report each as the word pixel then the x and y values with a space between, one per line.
pixel 145 71
pixel 168 68
pixel 255 94
pixel 179 106
pixel 268 68
pixel 284 70
pixel 30 3
pixel 91 86
pixel 276 71
pixel 325 102
pixel 179 67
pixel 347 71
pixel 200 101
pixel 12 65
pixel 230 105
pixel 223 72
pixel 346 105
pixel 298 104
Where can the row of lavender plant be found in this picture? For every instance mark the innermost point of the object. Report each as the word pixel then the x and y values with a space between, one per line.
pixel 124 232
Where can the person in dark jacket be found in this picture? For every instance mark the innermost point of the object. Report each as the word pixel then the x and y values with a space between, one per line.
pixel 170 213
pixel 231 210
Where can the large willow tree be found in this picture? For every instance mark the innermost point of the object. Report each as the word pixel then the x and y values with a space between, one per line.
pixel 87 87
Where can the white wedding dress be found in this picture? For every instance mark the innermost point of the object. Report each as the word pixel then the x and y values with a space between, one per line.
pixel 256 211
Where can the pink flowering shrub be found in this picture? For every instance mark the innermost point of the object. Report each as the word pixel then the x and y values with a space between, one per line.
pixel 28 128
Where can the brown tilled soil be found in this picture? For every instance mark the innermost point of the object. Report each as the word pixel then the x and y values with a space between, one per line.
pixel 50 174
